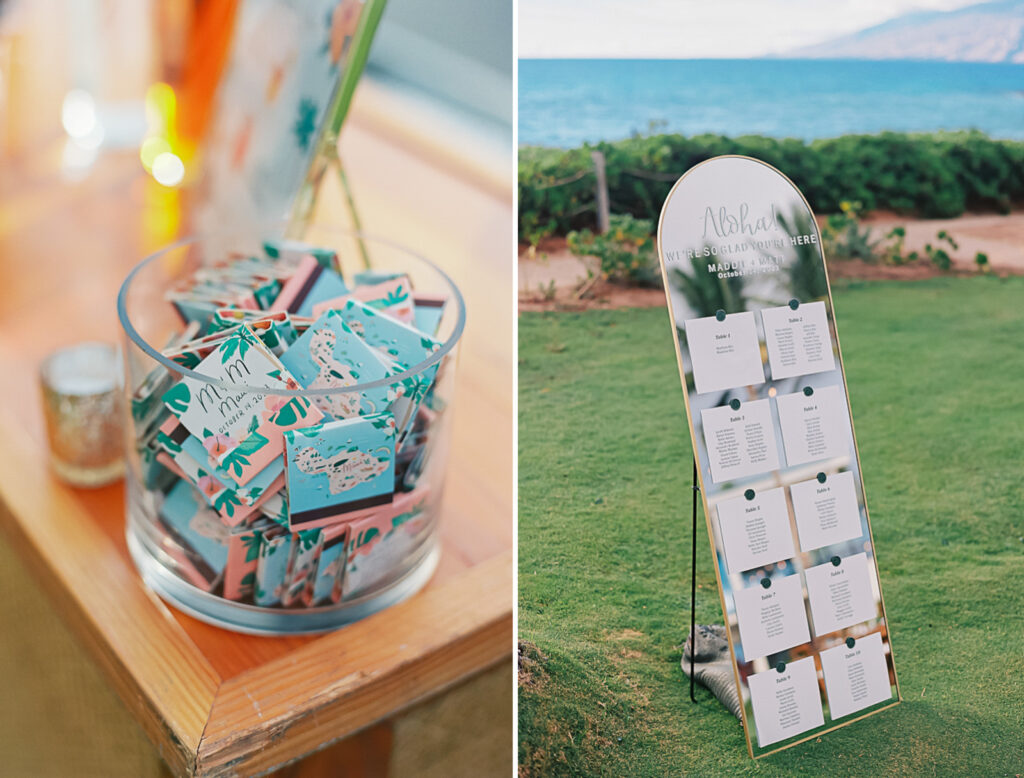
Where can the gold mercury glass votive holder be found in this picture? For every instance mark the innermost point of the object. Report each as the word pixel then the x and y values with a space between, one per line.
pixel 81 388
pixel 242 575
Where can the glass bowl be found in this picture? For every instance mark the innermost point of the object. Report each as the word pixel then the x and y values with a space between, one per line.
pixel 234 551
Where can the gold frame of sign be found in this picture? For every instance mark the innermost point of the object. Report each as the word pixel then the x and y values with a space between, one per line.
pixel 736 236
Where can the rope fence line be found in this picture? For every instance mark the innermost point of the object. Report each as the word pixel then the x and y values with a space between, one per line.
pixel 930 175
pixel 602 202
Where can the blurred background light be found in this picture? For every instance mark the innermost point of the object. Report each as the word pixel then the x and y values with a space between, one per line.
pixel 152 148
pixel 168 169
pixel 78 114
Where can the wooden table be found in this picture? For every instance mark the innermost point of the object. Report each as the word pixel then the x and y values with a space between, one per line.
pixel 214 702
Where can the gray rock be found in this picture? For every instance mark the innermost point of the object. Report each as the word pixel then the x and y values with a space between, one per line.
pixel 712 666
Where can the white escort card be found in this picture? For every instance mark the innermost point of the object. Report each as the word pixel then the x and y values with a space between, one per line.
pixel 771 619
pixel 725 352
pixel 814 425
pixel 787 703
pixel 840 595
pixel 856 676
pixel 755 529
pixel 826 510
pixel 740 440
pixel 798 340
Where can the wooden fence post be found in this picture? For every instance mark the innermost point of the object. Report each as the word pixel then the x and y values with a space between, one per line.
pixel 603 208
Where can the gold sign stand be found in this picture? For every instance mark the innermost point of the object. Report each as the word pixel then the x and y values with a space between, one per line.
pixel 759 360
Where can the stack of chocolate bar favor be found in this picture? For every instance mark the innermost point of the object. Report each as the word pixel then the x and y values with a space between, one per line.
pixel 270 484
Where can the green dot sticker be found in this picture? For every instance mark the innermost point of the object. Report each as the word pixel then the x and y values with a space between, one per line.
pixel 720 314
pixel 850 642
pixel 808 391
pixel 780 667
pixel 734 404
pixel 766 582
pixel 749 494
pixel 821 478
pixel 794 303
pixel 836 561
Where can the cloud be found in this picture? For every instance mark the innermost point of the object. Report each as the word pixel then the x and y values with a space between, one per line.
pixel 693 29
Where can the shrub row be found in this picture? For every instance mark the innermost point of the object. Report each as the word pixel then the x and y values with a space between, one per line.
pixel 932 175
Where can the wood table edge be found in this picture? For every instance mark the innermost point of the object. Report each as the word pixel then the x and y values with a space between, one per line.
pixel 29 500
pixel 252 729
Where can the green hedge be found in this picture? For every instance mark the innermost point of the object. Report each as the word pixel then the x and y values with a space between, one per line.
pixel 932 175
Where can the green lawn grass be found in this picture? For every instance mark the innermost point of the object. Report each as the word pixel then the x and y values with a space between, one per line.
pixel 936 380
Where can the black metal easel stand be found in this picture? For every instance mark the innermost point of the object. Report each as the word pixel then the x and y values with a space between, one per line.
pixel 693 580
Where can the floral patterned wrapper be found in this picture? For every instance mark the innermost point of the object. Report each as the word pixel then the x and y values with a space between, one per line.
pixel 339 468
pixel 377 543
pixel 403 347
pixel 331 569
pixel 146 407
pixel 275 508
pixel 241 430
pixel 372 276
pixel 275 329
pixel 155 476
pixel 231 511
pixel 393 297
pixel 198 304
pixel 195 538
pixel 243 556
pixel 272 566
pixel 292 251
pixel 305 557
pixel 311 284
pixel 234 503
pixel 427 311
pixel 330 355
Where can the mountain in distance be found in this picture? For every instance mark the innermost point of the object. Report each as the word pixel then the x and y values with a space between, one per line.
pixel 987 32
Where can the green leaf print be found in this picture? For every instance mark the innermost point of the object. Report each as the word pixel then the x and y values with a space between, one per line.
pixel 290 414
pixel 285 416
pixel 165 441
pixel 308 538
pixel 248 581
pixel 226 502
pixel 235 462
pixel 305 123
pixel 252 444
pixel 252 546
pixel 244 342
pixel 399 295
pixel 227 349
pixel 188 359
pixel 177 398
pixel 380 422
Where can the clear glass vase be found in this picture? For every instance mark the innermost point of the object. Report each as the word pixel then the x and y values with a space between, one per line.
pixel 240 551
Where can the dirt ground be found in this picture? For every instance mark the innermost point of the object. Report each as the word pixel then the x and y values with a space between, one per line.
pixel 551 277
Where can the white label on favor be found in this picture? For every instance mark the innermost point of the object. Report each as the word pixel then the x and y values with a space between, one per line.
pixel 773 619
pixel 725 354
pixel 813 427
pixel 840 596
pixel 740 442
pixel 855 677
pixel 798 342
pixel 787 703
pixel 755 532
pixel 826 513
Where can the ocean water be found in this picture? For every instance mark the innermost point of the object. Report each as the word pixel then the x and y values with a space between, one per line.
pixel 565 103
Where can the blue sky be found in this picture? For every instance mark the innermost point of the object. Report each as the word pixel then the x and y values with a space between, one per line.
pixel 689 29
